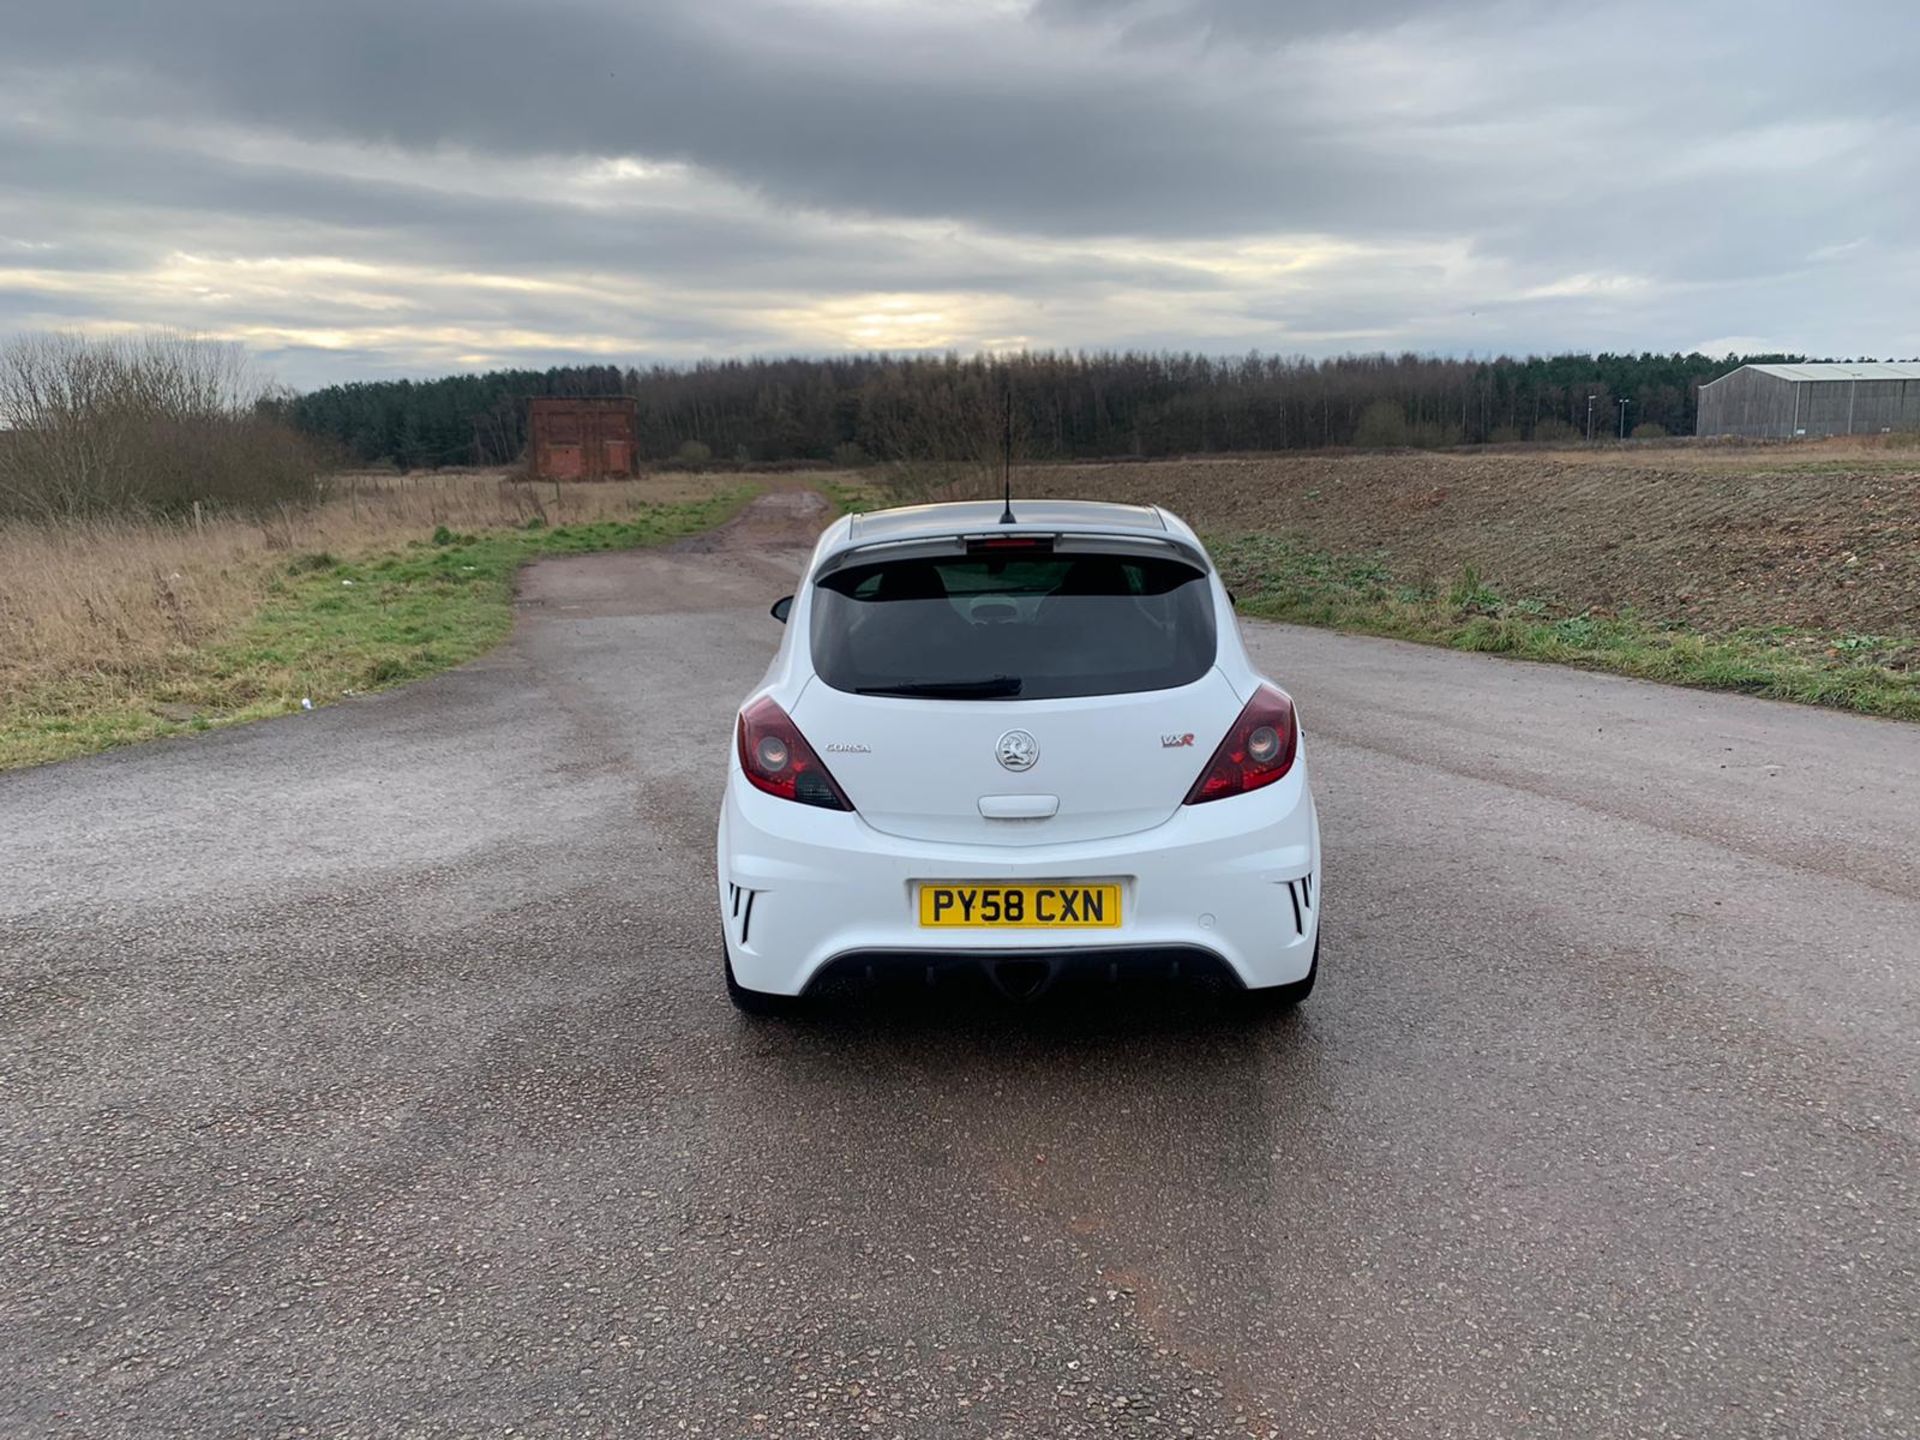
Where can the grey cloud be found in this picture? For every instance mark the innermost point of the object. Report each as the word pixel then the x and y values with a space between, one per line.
pixel 206 191
pixel 831 118
pixel 286 204
pixel 999 122
pixel 1676 157
pixel 1266 22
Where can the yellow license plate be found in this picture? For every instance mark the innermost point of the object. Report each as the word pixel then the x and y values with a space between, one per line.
pixel 1021 907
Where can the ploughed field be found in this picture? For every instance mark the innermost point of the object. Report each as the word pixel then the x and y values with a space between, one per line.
pixel 1817 538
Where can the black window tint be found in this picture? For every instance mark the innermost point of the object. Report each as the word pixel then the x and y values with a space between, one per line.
pixel 1030 628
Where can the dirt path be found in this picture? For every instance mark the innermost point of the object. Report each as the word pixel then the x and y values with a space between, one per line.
pixel 766 543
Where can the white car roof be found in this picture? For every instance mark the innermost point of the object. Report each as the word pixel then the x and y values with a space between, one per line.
pixel 911 522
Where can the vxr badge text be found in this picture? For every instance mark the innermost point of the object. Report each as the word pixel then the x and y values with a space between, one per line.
pixel 1175 742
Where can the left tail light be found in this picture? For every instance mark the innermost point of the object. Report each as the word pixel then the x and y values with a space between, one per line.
pixel 1258 750
pixel 777 759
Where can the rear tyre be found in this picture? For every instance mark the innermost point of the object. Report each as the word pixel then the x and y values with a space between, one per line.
pixel 755 1002
pixel 1277 999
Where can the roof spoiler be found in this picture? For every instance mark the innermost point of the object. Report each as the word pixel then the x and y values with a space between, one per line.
pixel 1059 542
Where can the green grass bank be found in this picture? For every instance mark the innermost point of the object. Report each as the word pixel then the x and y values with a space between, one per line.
pixel 1278 577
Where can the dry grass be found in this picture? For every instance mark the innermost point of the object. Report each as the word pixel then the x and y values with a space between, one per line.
pixel 118 600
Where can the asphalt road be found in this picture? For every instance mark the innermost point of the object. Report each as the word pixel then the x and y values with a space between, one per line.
pixel 369 1072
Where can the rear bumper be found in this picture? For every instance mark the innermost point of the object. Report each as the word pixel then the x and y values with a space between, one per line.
pixel 808 894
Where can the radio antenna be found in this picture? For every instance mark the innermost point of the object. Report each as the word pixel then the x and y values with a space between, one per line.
pixel 1006 450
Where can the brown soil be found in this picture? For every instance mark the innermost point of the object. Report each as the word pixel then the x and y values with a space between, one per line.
pixel 789 517
pixel 1820 538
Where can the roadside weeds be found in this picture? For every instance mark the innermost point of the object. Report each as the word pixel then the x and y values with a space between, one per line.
pixel 329 626
pixel 1277 577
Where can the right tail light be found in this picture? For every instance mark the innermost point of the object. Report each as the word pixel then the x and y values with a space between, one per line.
pixel 1258 750
pixel 777 758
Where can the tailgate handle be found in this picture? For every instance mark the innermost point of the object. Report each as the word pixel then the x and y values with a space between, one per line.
pixel 1019 807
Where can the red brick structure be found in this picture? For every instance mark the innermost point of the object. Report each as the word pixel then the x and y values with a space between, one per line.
pixel 582 439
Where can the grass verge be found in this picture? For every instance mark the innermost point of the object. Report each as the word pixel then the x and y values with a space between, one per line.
pixel 855 496
pixel 329 628
pixel 1279 578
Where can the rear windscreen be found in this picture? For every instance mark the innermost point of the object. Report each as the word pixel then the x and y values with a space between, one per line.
pixel 1035 627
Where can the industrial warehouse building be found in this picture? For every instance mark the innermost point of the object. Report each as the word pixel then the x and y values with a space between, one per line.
pixel 1779 402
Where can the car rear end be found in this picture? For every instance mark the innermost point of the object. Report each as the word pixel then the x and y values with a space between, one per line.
pixel 1025 750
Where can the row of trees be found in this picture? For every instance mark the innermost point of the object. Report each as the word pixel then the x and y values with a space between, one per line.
pixel 144 424
pixel 1068 406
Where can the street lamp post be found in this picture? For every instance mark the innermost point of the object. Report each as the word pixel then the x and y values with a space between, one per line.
pixel 1623 417
pixel 1590 400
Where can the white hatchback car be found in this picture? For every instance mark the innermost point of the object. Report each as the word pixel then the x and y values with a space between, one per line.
pixel 1023 748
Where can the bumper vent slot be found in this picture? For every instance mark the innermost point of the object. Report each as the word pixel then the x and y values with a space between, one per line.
pixel 1300 892
pixel 741 899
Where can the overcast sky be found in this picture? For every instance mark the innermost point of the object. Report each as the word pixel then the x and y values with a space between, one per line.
pixel 362 188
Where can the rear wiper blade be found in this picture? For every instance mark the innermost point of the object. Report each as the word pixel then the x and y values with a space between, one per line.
pixel 991 688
